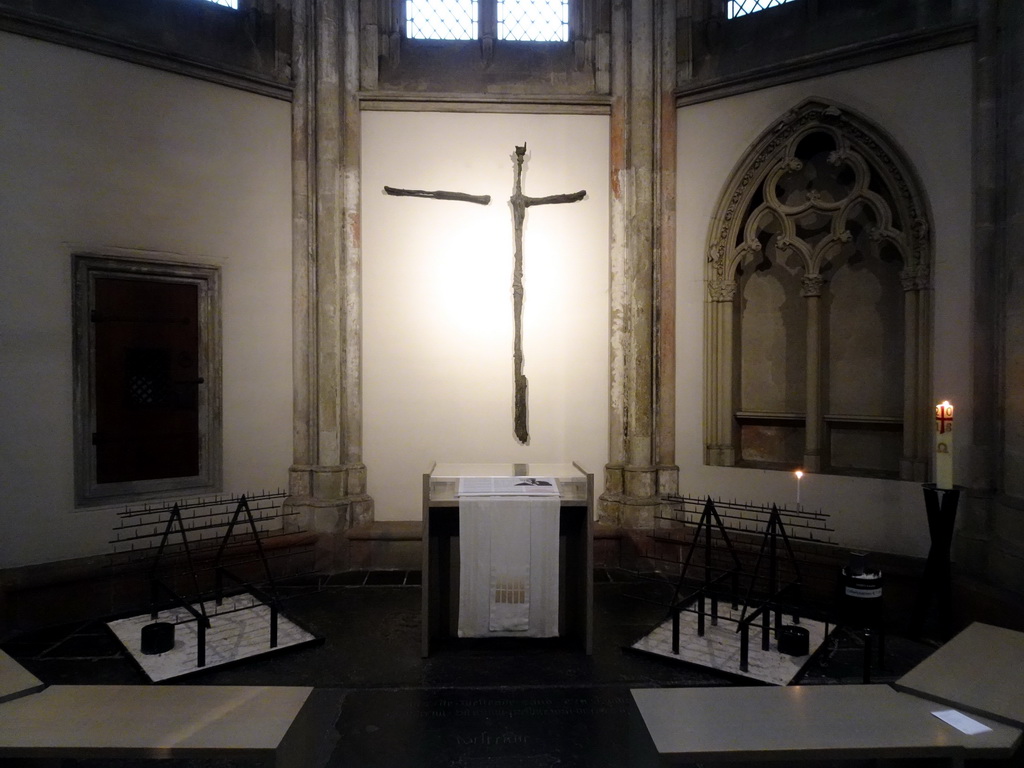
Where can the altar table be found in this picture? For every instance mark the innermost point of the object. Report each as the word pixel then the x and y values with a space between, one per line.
pixel 441 551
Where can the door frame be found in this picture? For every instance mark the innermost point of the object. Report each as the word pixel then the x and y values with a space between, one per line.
pixel 86 269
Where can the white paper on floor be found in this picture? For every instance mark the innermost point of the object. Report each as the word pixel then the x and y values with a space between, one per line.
pixel 719 648
pixel 239 629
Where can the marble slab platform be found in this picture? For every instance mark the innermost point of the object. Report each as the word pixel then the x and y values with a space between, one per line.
pixel 719 648
pixel 239 629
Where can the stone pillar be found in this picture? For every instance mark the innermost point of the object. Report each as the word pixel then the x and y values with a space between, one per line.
pixel 989 540
pixel 638 199
pixel 327 482
pixel 665 275
pixel 1005 556
pixel 619 82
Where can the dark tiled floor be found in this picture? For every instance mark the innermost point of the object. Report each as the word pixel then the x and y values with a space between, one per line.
pixel 478 705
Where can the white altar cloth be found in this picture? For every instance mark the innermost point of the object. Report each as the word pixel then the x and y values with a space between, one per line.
pixel 508 576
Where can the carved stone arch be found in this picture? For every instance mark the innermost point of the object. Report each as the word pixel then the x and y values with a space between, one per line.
pixel 829 184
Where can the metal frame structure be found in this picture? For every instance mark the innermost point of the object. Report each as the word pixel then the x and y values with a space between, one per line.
pixel 154 534
pixel 781 594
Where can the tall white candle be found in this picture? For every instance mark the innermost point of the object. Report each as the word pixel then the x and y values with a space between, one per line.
pixel 799 474
pixel 944 445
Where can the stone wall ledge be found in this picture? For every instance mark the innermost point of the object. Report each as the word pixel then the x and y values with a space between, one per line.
pixel 387 530
pixel 412 530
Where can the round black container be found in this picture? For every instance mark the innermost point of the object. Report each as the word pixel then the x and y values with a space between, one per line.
pixel 157 637
pixel 861 600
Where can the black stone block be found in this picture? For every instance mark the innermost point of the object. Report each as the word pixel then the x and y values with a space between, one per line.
pixel 794 640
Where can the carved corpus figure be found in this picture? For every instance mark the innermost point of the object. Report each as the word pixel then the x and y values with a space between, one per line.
pixel 520 203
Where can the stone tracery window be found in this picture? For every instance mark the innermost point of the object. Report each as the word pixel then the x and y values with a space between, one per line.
pixel 817 312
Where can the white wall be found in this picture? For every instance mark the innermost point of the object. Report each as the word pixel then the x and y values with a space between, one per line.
pixel 101 156
pixel 924 103
pixel 437 297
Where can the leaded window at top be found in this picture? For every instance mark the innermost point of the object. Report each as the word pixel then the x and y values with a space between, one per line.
pixel 442 19
pixel 517 20
pixel 538 21
pixel 738 8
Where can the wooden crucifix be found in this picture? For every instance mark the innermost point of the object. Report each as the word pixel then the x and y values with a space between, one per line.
pixel 519 203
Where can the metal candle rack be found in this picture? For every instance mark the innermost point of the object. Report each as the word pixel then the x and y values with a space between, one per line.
pixel 774 584
pixel 168 541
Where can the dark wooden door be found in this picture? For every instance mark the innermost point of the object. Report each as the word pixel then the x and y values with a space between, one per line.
pixel 147 379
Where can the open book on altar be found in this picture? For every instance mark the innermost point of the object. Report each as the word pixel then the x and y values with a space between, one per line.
pixel 507 486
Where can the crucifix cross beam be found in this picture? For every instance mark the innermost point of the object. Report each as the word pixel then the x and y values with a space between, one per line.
pixel 439 194
pixel 519 203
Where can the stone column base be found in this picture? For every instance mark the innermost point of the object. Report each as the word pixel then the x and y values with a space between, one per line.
pixel 631 496
pixel 328 501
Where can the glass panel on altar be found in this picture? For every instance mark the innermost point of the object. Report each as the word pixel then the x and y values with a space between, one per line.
pixel 444 479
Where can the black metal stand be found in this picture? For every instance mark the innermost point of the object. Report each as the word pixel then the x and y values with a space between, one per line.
pixel 178 544
pixel 773 604
pixel 175 521
pixel 936 583
pixel 710 585
pixel 868 634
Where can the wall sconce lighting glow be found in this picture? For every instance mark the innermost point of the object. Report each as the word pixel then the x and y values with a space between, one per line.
pixel 468 292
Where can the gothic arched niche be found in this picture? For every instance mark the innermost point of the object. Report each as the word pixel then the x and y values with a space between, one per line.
pixel 817 331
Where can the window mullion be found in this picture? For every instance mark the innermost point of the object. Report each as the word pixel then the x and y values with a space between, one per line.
pixel 488 19
pixel 488 26
pixel 814 425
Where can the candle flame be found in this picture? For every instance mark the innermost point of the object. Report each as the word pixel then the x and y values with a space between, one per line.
pixel 799 473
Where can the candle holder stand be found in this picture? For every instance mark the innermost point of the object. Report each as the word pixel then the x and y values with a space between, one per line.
pixel 936 582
